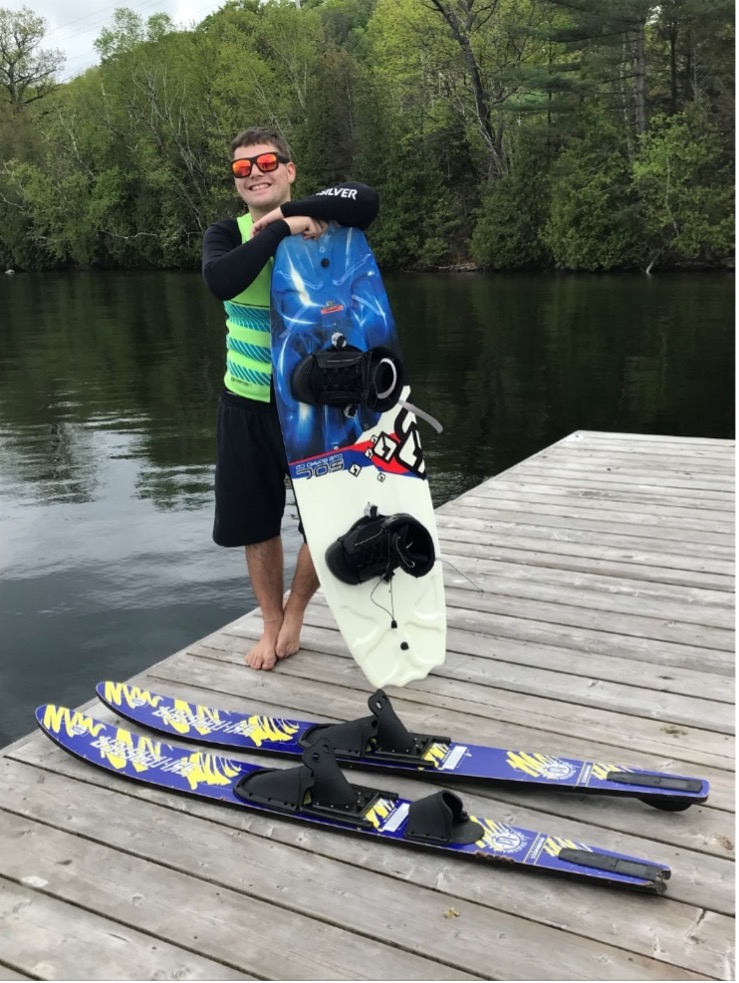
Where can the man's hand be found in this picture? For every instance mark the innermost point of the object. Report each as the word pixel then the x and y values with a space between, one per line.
pixel 262 223
pixel 309 228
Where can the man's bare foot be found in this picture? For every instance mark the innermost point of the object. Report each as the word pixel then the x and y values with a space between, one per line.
pixel 288 640
pixel 264 654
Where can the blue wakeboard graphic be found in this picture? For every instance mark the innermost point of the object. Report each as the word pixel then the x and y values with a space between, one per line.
pixel 322 288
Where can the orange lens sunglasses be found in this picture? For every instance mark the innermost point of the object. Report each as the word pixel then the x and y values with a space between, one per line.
pixel 242 167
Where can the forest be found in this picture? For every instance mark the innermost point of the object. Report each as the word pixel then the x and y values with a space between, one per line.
pixel 583 135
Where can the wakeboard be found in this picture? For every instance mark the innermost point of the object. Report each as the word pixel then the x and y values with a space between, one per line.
pixel 354 453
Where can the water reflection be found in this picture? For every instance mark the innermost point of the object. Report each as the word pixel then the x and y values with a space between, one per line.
pixel 108 386
pixel 510 364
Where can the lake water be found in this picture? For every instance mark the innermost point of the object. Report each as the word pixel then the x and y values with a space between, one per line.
pixel 108 387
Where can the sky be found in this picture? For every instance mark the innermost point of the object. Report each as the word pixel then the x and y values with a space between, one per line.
pixel 73 25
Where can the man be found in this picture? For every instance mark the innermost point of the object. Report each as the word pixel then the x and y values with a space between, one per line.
pixel 251 462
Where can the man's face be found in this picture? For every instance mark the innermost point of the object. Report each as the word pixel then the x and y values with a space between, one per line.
pixel 264 191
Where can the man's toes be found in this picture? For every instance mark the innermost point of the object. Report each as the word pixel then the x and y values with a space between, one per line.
pixel 257 659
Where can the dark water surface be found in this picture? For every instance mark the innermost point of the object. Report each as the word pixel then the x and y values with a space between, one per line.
pixel 108 386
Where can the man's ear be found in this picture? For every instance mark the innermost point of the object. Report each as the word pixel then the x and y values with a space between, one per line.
pixel 291 172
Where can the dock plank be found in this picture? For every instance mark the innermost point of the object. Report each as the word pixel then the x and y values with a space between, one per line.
pixel 676 521
pixel 607 485
pixel 180 895
pixel 687 537
pixel 510 654
pixel 642 566
pixel 703 556
pixel 52 940
pixel 591 612
pixel 616 500
pixel 674 714
pixel 632 596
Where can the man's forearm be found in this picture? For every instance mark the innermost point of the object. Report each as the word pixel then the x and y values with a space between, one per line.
pixel 227 273
pixel 350 203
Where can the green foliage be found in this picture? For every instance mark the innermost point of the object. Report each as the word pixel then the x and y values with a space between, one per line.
pixel 414 229
pixel 518 133
pixel 685 188
pixel 19 248
pixel 27 71
pixel 507 235
pixel 129 31
pixel 593 221
pixel 344 22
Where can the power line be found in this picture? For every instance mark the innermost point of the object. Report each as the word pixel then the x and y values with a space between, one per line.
pixel 106 15
pixel 101 17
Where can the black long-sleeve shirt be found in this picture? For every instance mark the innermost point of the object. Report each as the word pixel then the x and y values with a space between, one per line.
pixel 230 265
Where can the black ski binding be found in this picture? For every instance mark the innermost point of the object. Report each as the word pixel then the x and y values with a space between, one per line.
pixel 347 377
pixel 440 819
pixel 383 736
pixel 377 545
pixel 315 788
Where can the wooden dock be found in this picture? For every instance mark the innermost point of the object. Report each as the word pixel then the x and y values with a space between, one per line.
pixel 590 611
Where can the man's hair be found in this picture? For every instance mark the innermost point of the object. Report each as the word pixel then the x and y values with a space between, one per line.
pixel 261 134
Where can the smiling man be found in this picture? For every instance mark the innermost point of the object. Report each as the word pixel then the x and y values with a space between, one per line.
pixel 251 464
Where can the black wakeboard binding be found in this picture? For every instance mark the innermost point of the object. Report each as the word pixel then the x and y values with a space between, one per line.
pixel 346 377
pixel 377 545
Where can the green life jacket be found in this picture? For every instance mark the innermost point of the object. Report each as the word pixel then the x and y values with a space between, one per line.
pixel 248 353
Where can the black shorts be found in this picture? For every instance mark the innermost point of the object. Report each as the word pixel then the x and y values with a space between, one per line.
pixel 251 470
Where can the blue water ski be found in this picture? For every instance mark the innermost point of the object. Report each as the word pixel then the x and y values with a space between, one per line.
pixel 318 793
pixel 382 741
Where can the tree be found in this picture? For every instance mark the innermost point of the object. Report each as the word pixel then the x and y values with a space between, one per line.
pixel 422 161
pixel 611 41
pixel 685 187
pixel 129 31
pixel 593 222
pixel 344 21
pixel 507 235
pixel 693 48
pixel 26 71
pixel 490 46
